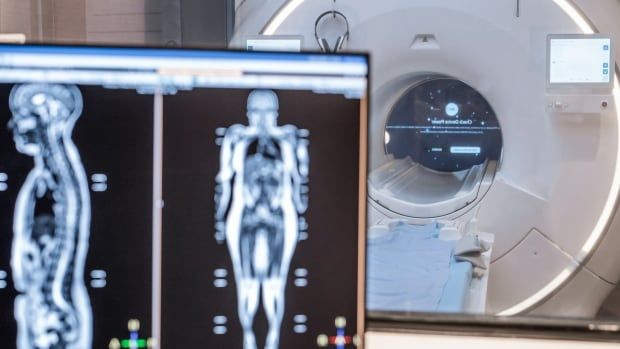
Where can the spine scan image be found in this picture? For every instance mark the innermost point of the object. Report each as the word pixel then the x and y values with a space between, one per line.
pixel 51 223
pixel 260 197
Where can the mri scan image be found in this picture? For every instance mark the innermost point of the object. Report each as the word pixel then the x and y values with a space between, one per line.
pixel 51 223
pixel 261 194
pixel 75 188
pixel 271 227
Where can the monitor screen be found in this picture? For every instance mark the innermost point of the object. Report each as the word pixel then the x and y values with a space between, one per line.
pixel 172 198
pixel 444 125
pixel 580 60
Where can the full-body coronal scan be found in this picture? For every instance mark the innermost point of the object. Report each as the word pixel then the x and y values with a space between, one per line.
pixel 261 195
pixel 51 221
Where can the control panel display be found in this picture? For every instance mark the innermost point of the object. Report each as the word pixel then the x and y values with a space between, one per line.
pixel 580 60
pixel 280 43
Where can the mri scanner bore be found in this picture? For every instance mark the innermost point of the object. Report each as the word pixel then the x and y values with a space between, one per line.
pixel 443 139
pixel 485 142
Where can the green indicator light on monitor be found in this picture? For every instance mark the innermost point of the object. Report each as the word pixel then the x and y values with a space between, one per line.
pixel 130 344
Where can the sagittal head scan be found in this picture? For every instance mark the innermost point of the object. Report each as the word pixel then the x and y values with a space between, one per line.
pixel 51 221
pixel 35 107
pixel 261 195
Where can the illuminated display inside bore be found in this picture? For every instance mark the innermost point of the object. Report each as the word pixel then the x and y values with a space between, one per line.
pixel 444 125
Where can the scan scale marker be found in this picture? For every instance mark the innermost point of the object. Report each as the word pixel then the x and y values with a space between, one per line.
pixel 300 323
pixel 301 275
pixel 3 181
pixel 219 322
pixel 100 182
pixel 98 278
pixel 220 278
pixel 3 276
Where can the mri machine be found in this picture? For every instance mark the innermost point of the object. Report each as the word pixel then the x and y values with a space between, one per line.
pixel 547 191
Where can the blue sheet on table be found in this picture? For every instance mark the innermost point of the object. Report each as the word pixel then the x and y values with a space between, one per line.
pixel 408 269
pixel 455 292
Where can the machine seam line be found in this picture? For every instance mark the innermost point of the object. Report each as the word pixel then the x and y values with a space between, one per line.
pixel 580 264
pixel 515 246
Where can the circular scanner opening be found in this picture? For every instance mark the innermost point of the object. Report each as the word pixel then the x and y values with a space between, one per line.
pixel 443 142
pixel 444 125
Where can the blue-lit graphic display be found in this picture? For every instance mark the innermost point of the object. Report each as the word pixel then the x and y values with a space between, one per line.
pixel 444 125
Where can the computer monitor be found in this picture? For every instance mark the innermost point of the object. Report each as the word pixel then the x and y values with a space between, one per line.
pixel 177 198
pixel 580 61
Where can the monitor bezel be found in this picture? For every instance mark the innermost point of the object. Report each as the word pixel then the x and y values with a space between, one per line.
pixel 193 48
